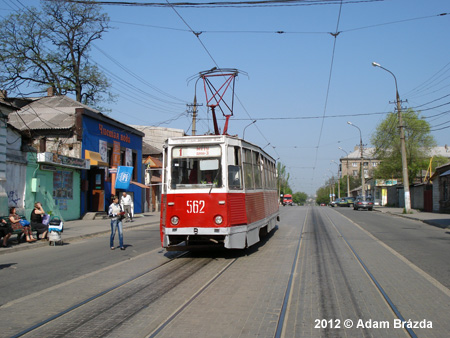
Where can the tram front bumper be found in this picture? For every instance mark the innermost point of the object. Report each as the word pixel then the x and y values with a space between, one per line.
pixel 232 237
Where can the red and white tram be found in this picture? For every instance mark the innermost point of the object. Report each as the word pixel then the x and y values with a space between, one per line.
pixel 218 190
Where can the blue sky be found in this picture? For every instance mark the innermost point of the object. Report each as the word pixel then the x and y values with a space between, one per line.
pixel 302 86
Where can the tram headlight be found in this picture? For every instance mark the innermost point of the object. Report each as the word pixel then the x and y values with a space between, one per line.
pixel 218 219
pixel 174 220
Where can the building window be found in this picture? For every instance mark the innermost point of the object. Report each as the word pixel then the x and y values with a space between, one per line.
pixel 43 145
pixel 354 164
pixel 374 164
pixel 355 172
pixel 366 164
pixel 110 153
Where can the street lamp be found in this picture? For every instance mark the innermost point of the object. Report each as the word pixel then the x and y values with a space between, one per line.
pixel 332 183
pixel 348 178
pixel 402 142
pixel 329 181
pixel 363 183
pixel 339 179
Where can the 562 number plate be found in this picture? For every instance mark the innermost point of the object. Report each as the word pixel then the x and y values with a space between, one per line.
pixel 195 206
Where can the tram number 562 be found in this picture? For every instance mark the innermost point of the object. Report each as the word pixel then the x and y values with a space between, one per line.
pixel 195 207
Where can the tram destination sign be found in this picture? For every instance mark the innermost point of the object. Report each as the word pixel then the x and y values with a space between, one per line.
pixel 200 151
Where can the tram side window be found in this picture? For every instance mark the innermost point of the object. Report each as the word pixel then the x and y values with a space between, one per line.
pixel 234 168
pixel 274 176
pixel 248 169
pixel 257 170
pixel 266 174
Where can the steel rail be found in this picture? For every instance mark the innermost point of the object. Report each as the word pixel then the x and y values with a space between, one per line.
pixel 375 281
pixel 98 295
pixel 174 315
pixel 287 294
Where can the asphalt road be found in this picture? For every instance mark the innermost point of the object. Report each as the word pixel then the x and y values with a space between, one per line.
pixel 318 270
pixel 31 271
pixel 426 246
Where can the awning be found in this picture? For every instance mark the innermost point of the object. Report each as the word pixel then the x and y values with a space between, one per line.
pixel 155 179
pixel 140 185
pixel 95 158
pixel 445 173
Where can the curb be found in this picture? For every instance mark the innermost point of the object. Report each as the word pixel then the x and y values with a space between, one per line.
pixel 436 224
pixel 41 244
pixel 429 222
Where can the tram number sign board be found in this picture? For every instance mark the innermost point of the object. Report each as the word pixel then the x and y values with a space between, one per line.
pixel 201 151
pixel 195 207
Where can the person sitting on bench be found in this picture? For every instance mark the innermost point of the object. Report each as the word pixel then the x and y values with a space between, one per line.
pixel 17 223
pixel 36 220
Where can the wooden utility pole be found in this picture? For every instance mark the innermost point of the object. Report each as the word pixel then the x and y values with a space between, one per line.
pixel 194 115
pixel 402 142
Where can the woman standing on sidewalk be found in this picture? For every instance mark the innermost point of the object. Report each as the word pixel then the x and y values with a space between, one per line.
pixel 115 211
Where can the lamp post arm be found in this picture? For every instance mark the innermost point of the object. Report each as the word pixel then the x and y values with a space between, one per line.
pixel 243 133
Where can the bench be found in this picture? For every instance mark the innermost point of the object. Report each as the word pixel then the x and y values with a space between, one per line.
pixel 18 232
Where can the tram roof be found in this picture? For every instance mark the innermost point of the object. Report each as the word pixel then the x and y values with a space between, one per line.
pixel 212 139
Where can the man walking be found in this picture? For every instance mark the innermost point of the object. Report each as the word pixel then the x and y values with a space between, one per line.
pixel 127 205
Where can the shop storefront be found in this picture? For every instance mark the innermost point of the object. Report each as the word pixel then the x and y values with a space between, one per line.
pixel 54 180
pixel 107 144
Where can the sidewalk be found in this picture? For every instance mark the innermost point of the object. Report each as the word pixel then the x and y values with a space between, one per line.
pixel 79 229
pixel 431 218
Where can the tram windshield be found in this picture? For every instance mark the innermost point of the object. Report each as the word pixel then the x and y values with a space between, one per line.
pixel 196 167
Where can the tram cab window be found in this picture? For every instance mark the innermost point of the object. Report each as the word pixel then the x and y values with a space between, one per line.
pixel 234 177
pixel 189 172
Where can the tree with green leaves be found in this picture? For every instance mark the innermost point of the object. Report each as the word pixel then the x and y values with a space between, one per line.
pixel 418 140
pixel 50 48
pixel 283 179
pixel 323 194
pixel 300 198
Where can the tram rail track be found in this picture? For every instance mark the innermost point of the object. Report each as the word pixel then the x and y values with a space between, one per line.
pixel 89 315
pixel 281 325
pixel 394 308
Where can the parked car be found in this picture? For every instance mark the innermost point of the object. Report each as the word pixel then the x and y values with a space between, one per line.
pixel 346 202
pixel 360 203
pixel 333 203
